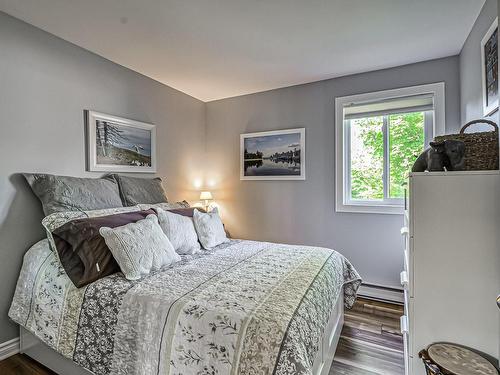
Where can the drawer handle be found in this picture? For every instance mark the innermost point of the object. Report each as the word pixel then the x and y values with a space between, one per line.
pixel 404 231
pixel 404 278
pixel 404 324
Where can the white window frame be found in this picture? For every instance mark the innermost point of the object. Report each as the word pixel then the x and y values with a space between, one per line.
pixel 343 203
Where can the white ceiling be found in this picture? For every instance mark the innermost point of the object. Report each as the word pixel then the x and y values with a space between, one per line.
pixel 214 49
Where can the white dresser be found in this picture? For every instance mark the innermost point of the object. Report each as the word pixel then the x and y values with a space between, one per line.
pixel 452 262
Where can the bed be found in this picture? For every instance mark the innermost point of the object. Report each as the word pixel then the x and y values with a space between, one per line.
pixel 244 307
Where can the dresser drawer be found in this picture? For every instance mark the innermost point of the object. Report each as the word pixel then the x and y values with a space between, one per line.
pixel 407 260
pixel 404 231
pixel 406 237
pixel 404 324
pixel 404 332
pixel 406 353
pixel 403 276
pixel 407 304
pixel 406 254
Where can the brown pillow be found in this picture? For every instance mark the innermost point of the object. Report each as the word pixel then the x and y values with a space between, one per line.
pixel 83 251
pixel 186 211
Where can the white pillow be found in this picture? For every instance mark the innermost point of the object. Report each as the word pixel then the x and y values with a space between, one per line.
pixel 140 247
pixel 209 228
pixel 180 231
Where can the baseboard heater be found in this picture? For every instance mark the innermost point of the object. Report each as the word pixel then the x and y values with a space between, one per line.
pixel 381 293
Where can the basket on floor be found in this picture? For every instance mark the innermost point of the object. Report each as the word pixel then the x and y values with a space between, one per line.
pixel 481 149
pixel 452 359
pixel 430 367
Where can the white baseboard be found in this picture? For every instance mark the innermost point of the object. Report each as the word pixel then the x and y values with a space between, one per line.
pixel 9 348
pixel 381 293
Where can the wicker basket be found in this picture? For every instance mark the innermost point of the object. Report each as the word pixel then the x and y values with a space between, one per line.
pixel 430 367
pixel 481 149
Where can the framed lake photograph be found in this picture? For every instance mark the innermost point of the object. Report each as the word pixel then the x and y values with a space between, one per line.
pixel 489 67
pixel 273 155
pixel 117 144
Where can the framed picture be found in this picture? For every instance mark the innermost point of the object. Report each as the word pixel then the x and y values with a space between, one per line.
pixel 116 144
pixel 273 155
pixel 489 67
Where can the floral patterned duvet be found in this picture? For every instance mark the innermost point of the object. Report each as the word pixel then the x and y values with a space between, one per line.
pixel 243 308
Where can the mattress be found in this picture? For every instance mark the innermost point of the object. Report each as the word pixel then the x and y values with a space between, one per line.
pixel 244 307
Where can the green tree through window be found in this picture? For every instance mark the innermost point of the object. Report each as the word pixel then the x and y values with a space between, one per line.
pixel 367 158
pixel 405 141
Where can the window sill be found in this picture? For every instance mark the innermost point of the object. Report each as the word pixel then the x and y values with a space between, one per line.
pixel 370 209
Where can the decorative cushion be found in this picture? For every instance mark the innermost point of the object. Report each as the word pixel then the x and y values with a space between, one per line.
pixel 209 228
pixel 179 230
pixel 134 190
pixel 140 247
pixel 63 193
pixel 83 252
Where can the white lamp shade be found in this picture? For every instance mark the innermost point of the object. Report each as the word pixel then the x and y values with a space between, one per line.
pixel 206 195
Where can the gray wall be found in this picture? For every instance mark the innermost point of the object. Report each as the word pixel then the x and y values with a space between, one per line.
pixel 302 212
pixel 470 66
pixel 46 83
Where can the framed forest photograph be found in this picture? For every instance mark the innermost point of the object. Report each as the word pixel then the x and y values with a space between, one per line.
pixel 116 144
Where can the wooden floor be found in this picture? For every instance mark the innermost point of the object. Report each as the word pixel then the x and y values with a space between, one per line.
pixel 370 343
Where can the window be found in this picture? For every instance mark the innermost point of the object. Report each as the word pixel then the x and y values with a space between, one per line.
pixel 379 136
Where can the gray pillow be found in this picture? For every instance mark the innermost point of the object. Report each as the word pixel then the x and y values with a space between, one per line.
pixel 209 228
pixel 134 190
pixel 180 231
pixel 63 193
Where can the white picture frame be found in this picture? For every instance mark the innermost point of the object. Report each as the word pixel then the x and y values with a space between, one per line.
pixel 131 145
pixel 274 162
pixel 489 69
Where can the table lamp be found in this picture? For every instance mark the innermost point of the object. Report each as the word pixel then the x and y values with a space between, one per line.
pixel 206 196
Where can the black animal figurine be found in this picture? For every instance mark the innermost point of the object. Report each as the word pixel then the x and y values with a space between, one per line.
pixel 447 155
pixel 455 150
